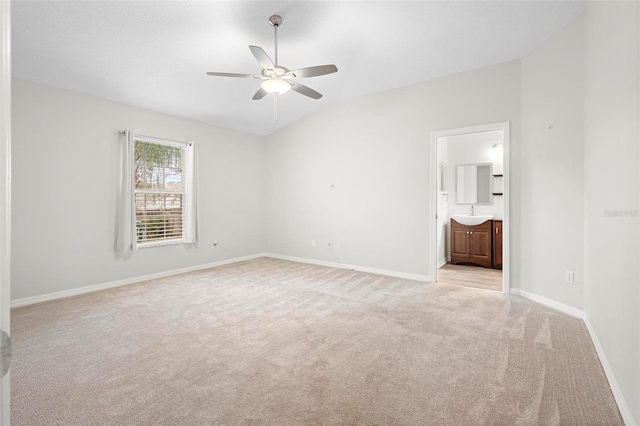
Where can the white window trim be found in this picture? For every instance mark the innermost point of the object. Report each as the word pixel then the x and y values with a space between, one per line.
pixel 161 243
pixel 161 141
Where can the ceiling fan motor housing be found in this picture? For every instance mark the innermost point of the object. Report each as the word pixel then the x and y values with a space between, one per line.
pixel 275 20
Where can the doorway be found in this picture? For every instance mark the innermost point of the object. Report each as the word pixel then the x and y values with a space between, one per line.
pixel 448 181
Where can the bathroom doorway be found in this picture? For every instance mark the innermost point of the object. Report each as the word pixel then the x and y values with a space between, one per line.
pixel 470 192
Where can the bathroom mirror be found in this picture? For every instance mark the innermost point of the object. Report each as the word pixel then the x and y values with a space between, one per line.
pixel 473 183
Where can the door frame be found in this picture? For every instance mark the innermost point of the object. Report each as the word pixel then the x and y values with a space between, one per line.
pixel 433 194
pixel 5 193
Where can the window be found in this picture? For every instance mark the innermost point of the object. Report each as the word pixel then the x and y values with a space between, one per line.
pixel 157 192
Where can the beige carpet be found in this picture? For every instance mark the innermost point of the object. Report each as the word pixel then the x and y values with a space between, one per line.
pixel 282 343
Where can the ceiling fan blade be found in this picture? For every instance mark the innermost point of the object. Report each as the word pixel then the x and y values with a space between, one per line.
pixel 261 93
pixel 262 58
pixel 230 74
pixel 304 90
pixel 312 71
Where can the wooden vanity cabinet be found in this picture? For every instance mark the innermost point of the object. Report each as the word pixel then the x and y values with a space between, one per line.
pixel 472 245
pixel 497 244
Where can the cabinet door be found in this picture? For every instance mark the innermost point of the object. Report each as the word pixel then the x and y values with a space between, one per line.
pixel 481 243
pixel 497 245
pixel 459 242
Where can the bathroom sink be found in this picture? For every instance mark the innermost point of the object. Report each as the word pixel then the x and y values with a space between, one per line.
pixel 467 219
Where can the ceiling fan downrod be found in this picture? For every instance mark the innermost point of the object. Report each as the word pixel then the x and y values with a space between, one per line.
pixel 275 21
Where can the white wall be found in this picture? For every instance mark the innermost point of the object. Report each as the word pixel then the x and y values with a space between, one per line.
pixel 612 85
pixel 375 151
pixel 552 167
pixel 64 191
pixel 584 83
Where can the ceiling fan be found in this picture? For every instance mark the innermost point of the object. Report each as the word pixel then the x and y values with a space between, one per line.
pixel 277 79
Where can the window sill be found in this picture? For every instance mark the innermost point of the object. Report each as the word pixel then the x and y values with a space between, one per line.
pixel 161 243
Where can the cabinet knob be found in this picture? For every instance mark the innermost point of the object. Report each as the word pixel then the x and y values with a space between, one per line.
pixel 471 232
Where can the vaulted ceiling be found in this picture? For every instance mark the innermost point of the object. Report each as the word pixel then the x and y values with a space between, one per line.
pixel 155 55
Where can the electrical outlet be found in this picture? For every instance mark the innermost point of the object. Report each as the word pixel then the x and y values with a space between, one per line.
pixel 215 243
pixel 313 243
pixel 337 246
pixel 328 245
pixel 569 277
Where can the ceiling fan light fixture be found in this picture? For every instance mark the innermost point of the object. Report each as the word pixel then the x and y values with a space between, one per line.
pixel 275 86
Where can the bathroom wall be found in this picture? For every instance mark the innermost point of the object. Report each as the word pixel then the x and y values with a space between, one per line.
pixel 473 148
pixel 442 222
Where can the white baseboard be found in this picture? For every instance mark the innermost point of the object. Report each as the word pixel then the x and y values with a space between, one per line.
pixel 549 302
pixel 625 412
pixel 442 262
pixel 103 286
pixel 396 274
pixel 608 371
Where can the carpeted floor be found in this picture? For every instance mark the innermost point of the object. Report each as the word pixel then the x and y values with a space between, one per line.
pixel 282 343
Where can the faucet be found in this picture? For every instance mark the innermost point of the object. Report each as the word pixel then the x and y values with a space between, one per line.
pixel 473 213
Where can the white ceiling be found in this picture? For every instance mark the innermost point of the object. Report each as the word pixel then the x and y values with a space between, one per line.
pixel 155 54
